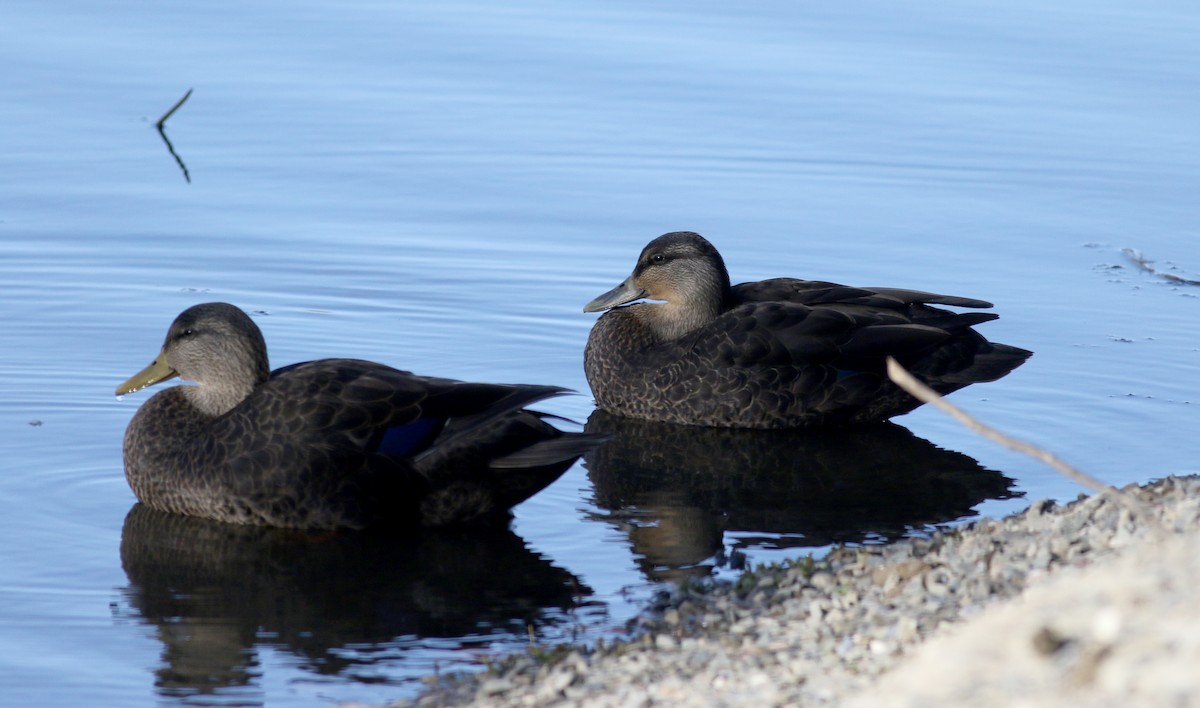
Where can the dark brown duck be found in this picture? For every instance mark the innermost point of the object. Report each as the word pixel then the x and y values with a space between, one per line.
pixel 777 353
pixel 330 443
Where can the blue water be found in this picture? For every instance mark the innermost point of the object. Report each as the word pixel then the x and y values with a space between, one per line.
pixel 443 186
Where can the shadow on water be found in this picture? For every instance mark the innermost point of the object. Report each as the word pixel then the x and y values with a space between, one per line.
pixel 214 592
pixel 677 490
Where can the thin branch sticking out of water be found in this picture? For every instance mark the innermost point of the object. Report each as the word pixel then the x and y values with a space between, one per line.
pixel 172 110
pixel 902 378
pixel 1135 256
pixel 163 134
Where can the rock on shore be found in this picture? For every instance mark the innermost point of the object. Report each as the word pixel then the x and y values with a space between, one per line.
pixel 1084 603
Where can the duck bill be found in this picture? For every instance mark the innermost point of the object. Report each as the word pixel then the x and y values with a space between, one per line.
pixel 156 372
pixel 623 293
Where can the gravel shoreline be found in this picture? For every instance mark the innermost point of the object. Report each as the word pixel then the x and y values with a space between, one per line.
pixel 1050 606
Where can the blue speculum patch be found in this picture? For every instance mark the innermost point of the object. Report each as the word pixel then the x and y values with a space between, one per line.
pixel 407 439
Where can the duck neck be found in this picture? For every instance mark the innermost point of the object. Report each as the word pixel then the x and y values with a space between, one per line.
pixel 672 320
pixel 217 399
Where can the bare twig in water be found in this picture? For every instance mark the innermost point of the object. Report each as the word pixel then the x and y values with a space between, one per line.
pixel 163 134
pixel 1135 256
pixel 171 112
pixel 900 376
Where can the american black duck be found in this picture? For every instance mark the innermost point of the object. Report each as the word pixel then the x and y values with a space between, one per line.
pixel 333 443
pixel 778 353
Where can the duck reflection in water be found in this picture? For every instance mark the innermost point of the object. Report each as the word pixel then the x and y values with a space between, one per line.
pixel 677 490
pixel 217 592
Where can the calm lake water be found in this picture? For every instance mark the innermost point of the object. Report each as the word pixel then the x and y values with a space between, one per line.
pixel 443 186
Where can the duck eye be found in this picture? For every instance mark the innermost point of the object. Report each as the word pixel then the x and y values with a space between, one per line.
pixel 658 258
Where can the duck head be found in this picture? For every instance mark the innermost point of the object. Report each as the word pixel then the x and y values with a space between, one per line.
pixel 684 273
pixel 215 345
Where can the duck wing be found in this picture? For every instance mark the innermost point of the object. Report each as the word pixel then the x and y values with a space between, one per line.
pixel 887 321
pixel 775 364
pixel 365 444
pixel 768 334
pixel 374 408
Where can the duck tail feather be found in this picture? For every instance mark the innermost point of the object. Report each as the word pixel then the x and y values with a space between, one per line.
pixel 990 364
pixel 568 446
